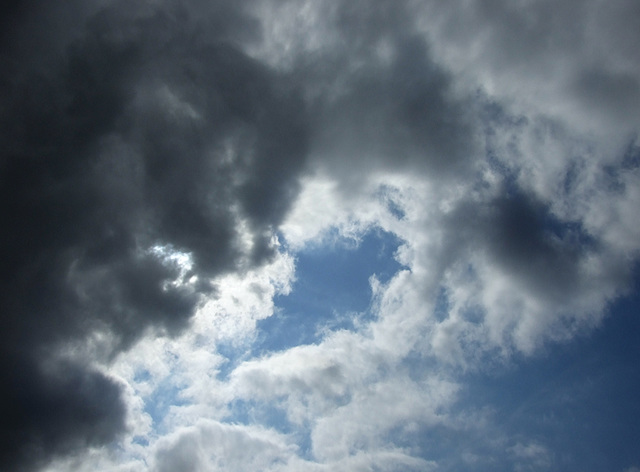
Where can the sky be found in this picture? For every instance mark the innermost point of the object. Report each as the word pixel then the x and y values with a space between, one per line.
pixel 320 235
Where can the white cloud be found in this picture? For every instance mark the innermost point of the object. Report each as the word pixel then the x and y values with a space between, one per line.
pixel 182 373
pixel 214 446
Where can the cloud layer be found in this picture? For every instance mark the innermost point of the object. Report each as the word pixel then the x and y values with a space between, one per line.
pixel 143 133
pixel 164 162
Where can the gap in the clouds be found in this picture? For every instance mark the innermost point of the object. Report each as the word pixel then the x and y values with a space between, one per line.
pixel 332 289
pixel 613 174
pixel 259 412
pixel 446 446
pixel 165 396
pixel 442 305
pixel 389 196
pixel 579 397
pixel 140 441
pixel 232 354
pixel 273 416
pixel 631 158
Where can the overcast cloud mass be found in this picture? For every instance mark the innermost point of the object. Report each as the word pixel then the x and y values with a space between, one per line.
pixel 331 235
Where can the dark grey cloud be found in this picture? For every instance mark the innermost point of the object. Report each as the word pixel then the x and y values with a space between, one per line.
pixel 615 93
pixel 522 236
pixel 379 99
pixel 51 412
pixel 141 127
pixel 400 113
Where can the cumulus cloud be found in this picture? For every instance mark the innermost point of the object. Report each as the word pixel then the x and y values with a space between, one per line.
pixel 216 446
pixel 141 127
pixel 163 162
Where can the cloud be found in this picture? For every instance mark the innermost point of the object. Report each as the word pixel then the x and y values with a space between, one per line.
pixel 55 410
pixel 535 174
pixel 215 446
pixel 538 52
pixel 135 130
pixel 164 162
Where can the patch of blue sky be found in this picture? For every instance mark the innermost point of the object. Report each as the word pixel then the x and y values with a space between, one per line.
pixel 452 449
pixel 389 196
pixel 164 396
pixel 273 416
pixel 233 354
pixel 258 412
pixel 331 290
pixel 140 440
pixel 442 305
pixel 570 232
pixel 142 375
pixel 579 399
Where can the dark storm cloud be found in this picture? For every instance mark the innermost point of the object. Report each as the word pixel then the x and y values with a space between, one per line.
pixel 402 112
pixel 383 99
pixel 521 236
pixel 524 237
pixel 143 127
pixel 54 412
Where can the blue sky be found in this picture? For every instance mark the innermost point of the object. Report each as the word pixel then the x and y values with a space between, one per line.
pixel 331 290
pixel 578 397
pixel 329 235
pixel 574 402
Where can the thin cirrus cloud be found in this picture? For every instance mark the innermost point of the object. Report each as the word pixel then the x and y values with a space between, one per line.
pixel 170 168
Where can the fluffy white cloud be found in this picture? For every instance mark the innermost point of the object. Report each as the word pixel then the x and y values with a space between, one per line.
pixel 209 445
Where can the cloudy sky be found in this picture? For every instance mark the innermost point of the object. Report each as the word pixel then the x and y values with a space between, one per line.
pixel 320 235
